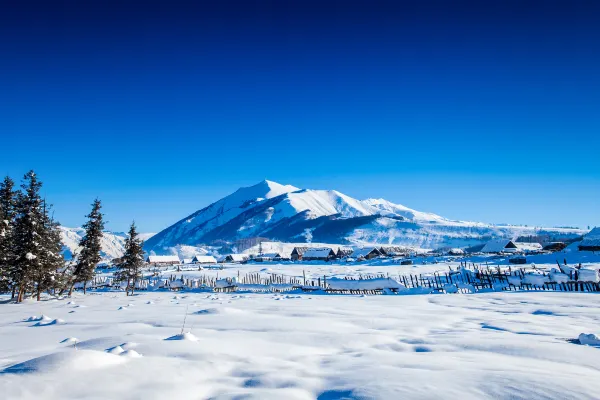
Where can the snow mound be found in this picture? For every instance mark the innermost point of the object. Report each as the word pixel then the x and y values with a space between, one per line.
pixel 71 360
pixel 222 310
pixel 189 336
pixel 41 318
pixel 589 339
pixel 129 345
pixel 70 340
pixel 56 321
pixel 115 350
pixel 131 354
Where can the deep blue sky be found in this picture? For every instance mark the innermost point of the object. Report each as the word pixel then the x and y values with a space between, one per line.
pixel 480 110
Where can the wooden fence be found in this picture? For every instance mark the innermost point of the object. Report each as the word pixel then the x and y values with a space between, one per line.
pixel 464 280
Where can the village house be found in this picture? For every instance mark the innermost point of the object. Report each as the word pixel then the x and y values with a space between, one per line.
pixel 527 247
pixel 236 258
pixel 322 254
pixel 163 260
pixel 204 260
pixel 456 252
pixel 591 241
pixel 500 246
pixel 297 253
pixel 344 252
pixel 393 251
pixel 366 253
pixel 267 257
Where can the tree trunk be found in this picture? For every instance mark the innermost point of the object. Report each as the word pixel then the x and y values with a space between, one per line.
pixel 14 290
pixel 84 287
pixel 127 288
pixel 71 289
pixel 21 294
pixel 39 292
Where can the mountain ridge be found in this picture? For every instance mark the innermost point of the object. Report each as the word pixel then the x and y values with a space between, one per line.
pixel 287 213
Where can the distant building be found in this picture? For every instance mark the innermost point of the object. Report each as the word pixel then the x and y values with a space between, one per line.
pixel 500 246
pixel 366 253
pixel 187 260
pixel 204 260
pixel 323 254
pixel 298 252
pixel 236 258
pixel 344 252
pixel 393 251
pixel 529 247
pixel 591 241
pixel 163 260
pixel 267 257
pixel 456 252
pixel 555 246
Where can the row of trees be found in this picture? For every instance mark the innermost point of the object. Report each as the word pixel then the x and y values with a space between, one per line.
pixel 31 258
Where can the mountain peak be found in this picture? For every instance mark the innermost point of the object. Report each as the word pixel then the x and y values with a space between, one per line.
pixel 272 189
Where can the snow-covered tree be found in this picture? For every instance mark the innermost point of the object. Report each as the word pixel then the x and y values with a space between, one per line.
pixel 36 241
pixel 130 269
pixel 90 247
pixel 7 220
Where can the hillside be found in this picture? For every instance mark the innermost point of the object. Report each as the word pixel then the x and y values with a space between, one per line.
pixel 286 213
pixel 112 242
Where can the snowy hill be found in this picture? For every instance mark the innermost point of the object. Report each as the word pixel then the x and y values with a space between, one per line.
pixel 112 242
pixel 286 213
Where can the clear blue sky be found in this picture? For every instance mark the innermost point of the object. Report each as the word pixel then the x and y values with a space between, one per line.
pixel 483 111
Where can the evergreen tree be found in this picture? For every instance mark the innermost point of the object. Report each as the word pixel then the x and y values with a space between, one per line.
pixel 132 260
pixel 36 241
pixel 7 219
pixel 90 244
pixel 48 276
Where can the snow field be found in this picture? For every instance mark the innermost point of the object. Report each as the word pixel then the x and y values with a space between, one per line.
pixel 496 345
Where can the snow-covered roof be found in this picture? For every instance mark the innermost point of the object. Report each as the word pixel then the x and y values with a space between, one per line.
pixel 204 260
pixel 456 251
pixel 318 253
pixel 499 246
pixel 592 239
pixel 163 259
pixel 528 246
pixel 269 255
pixel 237 257
pixel 365 251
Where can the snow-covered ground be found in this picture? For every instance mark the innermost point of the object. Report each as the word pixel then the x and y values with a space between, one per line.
pixel 107 345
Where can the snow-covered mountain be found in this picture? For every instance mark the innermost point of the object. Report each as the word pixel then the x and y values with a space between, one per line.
pixel 286 213
pixel 112 242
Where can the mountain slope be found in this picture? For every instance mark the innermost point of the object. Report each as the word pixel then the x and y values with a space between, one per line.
pixel 113 243
pixel 286 213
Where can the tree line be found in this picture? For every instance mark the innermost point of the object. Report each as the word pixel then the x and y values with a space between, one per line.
pixel 31 250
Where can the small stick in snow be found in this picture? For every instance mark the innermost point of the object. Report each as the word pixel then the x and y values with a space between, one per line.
pixel 184 318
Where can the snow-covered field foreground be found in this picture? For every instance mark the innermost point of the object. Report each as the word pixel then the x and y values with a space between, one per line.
pixel 106 345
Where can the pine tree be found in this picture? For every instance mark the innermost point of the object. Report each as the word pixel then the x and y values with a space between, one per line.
pixel 132 261
pixel 36 241
pixel 90 244
pixel 52 261
pixel 7 219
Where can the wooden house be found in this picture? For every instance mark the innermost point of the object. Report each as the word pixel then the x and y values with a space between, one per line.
pixel 591 241
pixel 500 246
pixel 236 258
pixel 344 252
pixel 366 253
pixel 298 252
pixel 393 251
pixel 323 254
pixel 163 260
pixel 204 260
